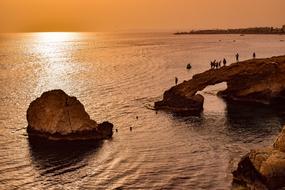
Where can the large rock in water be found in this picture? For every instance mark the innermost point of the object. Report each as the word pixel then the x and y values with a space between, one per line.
pixel 263 168
pixel 57 116
pixel 256 80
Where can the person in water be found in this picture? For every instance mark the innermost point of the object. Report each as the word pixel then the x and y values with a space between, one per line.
pixel 176 80
pixel 253 55
pixel 224 62
pixel 237 57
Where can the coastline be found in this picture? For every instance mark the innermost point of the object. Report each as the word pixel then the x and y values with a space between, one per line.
pixel 240 31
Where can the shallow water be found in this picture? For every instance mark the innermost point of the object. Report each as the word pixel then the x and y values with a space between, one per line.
pixel 117 77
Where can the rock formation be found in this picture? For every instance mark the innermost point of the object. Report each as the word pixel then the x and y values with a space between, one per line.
pixel 264 168
pixel 57 116
pixel 256 80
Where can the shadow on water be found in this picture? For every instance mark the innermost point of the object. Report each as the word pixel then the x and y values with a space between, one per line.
pixel 241 121
pixel 256 120
pixel 60 157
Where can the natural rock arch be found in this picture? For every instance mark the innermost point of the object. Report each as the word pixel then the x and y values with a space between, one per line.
pixel 256 80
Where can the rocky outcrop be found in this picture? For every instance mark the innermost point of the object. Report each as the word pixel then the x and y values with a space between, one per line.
pixel 256 80
pixel 57 116
pixel 262 168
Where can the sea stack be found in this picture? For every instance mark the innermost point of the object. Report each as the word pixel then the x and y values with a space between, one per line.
pixel 57 116
pixel 262 168
pixel 259 81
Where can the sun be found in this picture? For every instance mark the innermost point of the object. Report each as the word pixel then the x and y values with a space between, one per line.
pixel 56 36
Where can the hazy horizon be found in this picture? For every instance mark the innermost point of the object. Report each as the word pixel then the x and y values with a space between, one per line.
pixel 141 15
pixel 111 94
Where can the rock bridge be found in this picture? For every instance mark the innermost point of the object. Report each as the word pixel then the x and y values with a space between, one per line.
pixel 255 80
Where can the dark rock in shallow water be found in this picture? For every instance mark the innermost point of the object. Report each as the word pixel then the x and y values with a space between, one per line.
pixel 57 116
pixel 259 81
pixel 263 168
pixel 188 66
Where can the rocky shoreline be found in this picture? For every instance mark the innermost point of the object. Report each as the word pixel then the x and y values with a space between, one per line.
pixel 262 168
pixel 259 81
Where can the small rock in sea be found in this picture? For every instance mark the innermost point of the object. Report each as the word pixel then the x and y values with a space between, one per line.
pixel 57 116
pixel 188 66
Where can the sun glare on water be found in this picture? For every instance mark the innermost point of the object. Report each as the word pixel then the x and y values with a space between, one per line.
pixel 53 52
pixel 55 36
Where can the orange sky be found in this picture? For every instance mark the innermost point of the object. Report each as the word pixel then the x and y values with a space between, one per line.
pixel 117 15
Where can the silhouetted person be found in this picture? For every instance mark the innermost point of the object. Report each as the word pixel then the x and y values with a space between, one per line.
pixel 176 80
pixel 219 64
pixel 131 128
pixel 116 130
pixel 137 117
pixel 224 62
pixel 213 64
pixel 237 57
pixel 253 55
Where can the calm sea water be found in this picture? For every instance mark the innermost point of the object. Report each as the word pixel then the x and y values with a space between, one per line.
pixel 117 77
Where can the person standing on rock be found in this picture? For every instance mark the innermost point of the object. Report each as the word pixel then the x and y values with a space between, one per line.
pixel 237 57
pixel 253 55
pixel 176 80
pixel 224 62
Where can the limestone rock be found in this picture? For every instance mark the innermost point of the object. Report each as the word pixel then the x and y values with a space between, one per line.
pixel 57 116
pixel 181 105
pixel 263 168
pixel 280 142
pixel 256 80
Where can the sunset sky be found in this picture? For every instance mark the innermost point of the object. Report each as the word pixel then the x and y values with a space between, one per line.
pixel 120 15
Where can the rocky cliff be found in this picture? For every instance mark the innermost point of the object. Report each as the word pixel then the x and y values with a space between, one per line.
pixel 263 168
pixel 57 116
pixel 256 80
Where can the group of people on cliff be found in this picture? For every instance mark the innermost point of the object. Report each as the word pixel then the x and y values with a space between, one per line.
pixel 217 64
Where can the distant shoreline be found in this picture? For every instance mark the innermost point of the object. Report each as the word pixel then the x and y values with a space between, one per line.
pixel 241 31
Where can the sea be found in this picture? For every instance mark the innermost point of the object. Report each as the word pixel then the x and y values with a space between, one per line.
pixel 118 77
